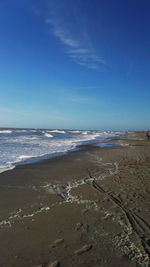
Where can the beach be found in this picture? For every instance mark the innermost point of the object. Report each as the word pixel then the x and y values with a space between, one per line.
pixel 89 207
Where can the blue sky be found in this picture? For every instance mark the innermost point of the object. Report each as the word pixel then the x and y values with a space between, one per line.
pixel 75 64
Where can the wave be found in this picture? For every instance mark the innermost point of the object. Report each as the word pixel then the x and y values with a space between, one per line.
pixel 17 149
pixel 23 157
pixel 57 131
pixel 34 131
pixel 21 131
pixel 6 167
pixel 5 131
pixel 48 135
pixel 85 132
pixel 74 131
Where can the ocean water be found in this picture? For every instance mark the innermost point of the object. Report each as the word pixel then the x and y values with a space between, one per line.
pixel 20 146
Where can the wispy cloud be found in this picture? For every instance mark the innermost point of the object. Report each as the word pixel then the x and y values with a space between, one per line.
pixel 87 59
pixel 72 33
pixel 62 33
pixel 65 38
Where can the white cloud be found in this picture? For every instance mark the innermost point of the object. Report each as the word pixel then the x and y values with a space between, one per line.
pixel 75 38
pixel 88 59
pixel 65 38
pixel 62 33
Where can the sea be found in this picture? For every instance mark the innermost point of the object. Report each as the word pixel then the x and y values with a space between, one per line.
pixel 22 146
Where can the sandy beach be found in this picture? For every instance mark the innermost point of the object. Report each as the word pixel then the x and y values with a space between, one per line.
pixel 86 208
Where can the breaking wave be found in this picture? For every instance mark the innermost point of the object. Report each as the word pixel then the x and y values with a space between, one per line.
pixel 5 131
pixel 19 146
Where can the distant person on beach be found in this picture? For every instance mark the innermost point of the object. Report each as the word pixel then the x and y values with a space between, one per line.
pixel 148 134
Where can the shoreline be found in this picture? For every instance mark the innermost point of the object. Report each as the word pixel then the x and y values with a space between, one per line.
pixel 84 208
pixel 38 159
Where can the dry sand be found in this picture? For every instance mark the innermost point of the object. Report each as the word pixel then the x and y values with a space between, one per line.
pixel 87 208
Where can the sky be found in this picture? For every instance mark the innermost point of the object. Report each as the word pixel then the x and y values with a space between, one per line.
pixel 75 64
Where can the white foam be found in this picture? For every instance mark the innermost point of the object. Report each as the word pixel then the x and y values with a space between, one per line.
pixel 22 157
pixel 5 131
pixel 16 215
pixel 6 167
pixel 57 131
pixel 85 132
pixel 75 131
pixel 21 131
pixel 48 135
pixel 36 212
pixel 4 223
pixel 16 148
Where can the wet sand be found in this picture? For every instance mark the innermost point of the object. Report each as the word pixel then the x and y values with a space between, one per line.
pixel 86 208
